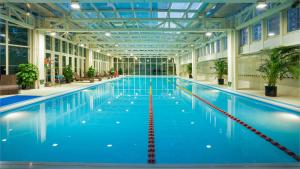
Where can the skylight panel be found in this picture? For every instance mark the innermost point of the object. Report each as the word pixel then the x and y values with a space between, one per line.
pixel 196 5
pixel 179 5
pixel 102 6
pixel 141 5
pixel 163 5
pixel 176 14
pixel 122 5
pixel 191 14
pixel 108 14
pixel 126 15
pixel 142 14
pixel 161 14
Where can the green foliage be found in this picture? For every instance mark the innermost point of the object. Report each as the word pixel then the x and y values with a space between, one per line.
pixel 189 68
pixel 68 74
pixel 27 75
pixel 112 71
pixel 281 62
pixel 220 67
pixel 91 72
pixel 120 71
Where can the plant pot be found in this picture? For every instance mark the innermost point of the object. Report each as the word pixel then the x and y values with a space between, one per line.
pixel 92 80
pixel 190 76
pixel 220 81
pixel 271 91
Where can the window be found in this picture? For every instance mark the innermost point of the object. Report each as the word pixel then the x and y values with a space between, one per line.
pixel 57 45
pixel 18 36
pixel 225 43
pixel 48 42
pixel 2 60
pixel 293 19
pixel 212 47
pixel 70 61
pixel 70 48
pixel 256 32
pixel 273 25
pixel 17 55
pixel 2 33
pixel 243 36
pixel 56 64
pixel 64 61
pixel 76 50
pixel 64 47
pixel 218 46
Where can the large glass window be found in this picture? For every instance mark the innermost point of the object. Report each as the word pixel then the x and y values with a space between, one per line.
pixel 48 67
pixel 2 60
pixel 64 46
pixel 18 35
pixel 48 42
pixel 56 64
pixel 293 19
pixel 256 32
pixel 218 46
pixel 70 48
pixel 17 55
pixel 2 33
pixel 225 43
pixel 273 25
pixel 57 45
pixel 243 36
pixel 212 48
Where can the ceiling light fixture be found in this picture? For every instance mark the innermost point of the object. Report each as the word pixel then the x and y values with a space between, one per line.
pixel 28 13
pixel 208 34
pixel 261 5
pixel 107 34
pixel 75 5
pixel 116 45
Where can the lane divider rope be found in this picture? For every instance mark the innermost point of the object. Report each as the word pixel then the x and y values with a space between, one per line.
pixel 250 128
pixel 151 146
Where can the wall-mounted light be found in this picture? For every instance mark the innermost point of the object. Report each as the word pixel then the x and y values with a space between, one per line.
pixel 208 34
pixel 28 13
pixel 52 33
pixel 75 5
pixel 261 4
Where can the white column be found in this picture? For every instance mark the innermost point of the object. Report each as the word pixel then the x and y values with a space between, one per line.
pixel 194 64
pixel 90 59
pixel 232 54
pixel 38 54
pixel 177 62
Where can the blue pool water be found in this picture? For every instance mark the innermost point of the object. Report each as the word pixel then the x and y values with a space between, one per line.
pixel 14 99
pixel 108 123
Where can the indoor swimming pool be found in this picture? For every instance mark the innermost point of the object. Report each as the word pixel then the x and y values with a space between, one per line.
pixel 112 122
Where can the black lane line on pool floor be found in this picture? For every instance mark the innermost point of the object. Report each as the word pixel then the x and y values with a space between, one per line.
pixel 151 146
pixel 252 129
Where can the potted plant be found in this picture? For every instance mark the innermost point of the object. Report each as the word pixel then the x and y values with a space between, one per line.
pixel 112 71
pixel 27 75
pixel 68 74
pixel 91 74
pixel 120 71
pixel 281 62
pixel 221 69
pixel 189 69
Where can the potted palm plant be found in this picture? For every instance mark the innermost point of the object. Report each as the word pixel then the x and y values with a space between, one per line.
pixel 221 69
pixel 189 69
pixel 27 75
pixel 120 71
pixel 68 74
pixel 281 62
pixel 91 74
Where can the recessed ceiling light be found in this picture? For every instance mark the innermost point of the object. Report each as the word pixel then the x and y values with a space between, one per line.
pixel 208 34
pixel 75 5
pixel 107 34
pixel 261 5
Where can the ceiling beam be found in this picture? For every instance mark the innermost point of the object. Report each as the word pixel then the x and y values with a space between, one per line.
pixel 141 1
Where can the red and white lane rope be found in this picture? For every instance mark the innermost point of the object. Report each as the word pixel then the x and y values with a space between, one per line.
pixel 151 146
pixel 250 128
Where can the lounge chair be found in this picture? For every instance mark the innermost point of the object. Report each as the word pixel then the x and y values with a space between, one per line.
pixel 8 85
pixel 78 78
pixel 98 76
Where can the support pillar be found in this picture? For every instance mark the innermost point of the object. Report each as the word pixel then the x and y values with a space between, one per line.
pixel 194 64
pixel 38 55
pixel 177 62
pixel 232 54
pixel 90 59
